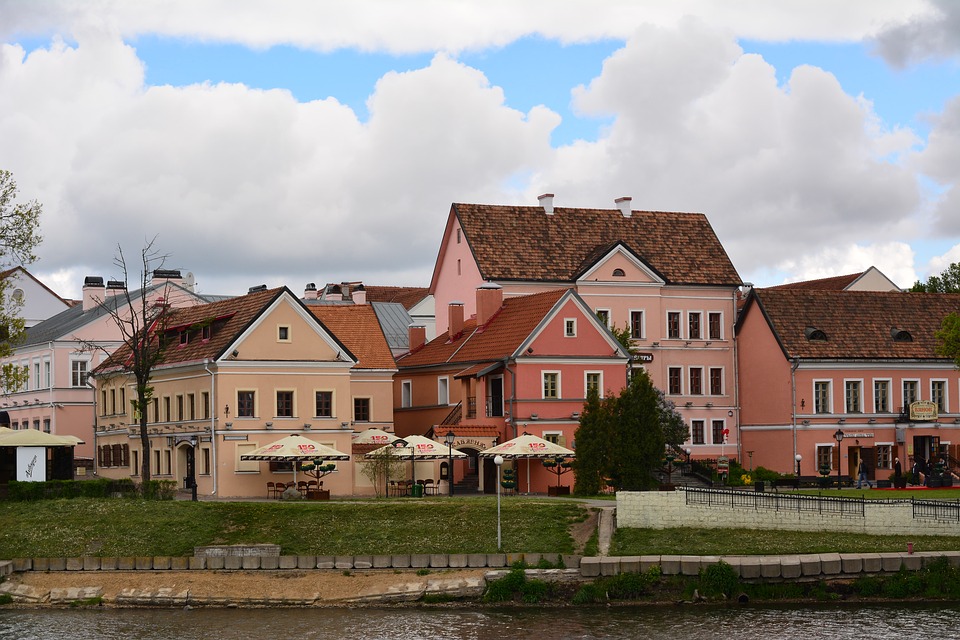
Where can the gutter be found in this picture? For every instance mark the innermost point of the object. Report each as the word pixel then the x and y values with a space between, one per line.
pixel 213 423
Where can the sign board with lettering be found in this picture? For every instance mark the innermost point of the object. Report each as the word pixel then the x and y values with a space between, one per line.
pixel 32 464
pixel 723 464
pixel 922 411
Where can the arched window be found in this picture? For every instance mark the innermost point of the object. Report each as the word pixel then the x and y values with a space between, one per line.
pixel 618 273
pixel 815 335
pixel 900 335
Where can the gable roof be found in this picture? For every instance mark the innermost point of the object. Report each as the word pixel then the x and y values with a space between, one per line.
pixel 523 243
pixel 833 283
pixel 499 339
pixel 359 329
pixel 409 297
pixel 858 325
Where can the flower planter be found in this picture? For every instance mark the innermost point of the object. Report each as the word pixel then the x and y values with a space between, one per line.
pixel 900 483
pixel 558 491
pixel 321 494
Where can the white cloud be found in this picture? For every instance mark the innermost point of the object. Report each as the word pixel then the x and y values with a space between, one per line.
pixel 425 25
pixel 932 33
pixel 894 259
pixel 939 263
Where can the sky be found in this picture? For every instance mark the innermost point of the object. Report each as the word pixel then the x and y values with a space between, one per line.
pixel 298 141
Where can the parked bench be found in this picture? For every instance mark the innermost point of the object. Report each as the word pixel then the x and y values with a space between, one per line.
pixel 793 483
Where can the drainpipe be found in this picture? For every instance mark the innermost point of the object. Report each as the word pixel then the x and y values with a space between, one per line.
pixel 513 393
pixel 213 424
pixel 736 378
pixel 793 402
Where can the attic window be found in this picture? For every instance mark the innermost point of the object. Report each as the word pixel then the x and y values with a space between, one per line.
pixel 900 335
pixel 205 332
pixel 815 335
pixel 184 337
pixel 619 273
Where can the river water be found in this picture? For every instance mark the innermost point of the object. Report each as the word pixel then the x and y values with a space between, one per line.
pixel 875 621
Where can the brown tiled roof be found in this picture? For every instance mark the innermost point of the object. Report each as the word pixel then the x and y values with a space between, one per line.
pixel 523 243
pixel 407 296
pixel 834 283
pixel 465 431
pixel 358 328
pixel 499 338
pixel 857 324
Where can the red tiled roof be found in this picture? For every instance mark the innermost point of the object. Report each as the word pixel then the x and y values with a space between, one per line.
pixel 407 296
pixel 499 339
pixel 857 324
pixel 834 283
pixel 358 328
pixel 523 243
pixel 465 431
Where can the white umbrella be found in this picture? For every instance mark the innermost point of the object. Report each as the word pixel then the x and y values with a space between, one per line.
pixel 373 436
pixel 528 446
pixel 415 447
pixel 34 438
pixel 295 448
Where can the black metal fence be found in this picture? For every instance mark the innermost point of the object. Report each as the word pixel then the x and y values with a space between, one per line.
pixel 936 510
pixel 846 507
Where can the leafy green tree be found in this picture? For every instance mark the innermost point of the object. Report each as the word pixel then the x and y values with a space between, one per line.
pixel 947 282
pixel 948 338
pixel 589 468
pixel 675 430
pixel 19 236
pixel 637 440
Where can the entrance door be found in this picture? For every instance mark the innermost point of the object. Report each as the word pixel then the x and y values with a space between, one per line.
pixel 869 456
pixel 853 461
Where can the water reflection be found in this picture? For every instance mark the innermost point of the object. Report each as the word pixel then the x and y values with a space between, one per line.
pixel 696 623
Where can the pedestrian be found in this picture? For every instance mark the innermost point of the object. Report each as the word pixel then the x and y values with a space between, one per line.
pixel 897 469
pixel 862 475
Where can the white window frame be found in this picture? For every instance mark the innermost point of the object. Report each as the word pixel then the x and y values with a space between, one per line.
pixel 679 393
pixel 586 385
pixel 889 382
pixel 946 393
pixel 47 374
pixel 609 319
pixel 903 388
pixel 443 391
pixel 543 385
pixel 859 383
pixel 643 324
pixel 281 328
pixel 552 432
pixel 816 451
pixel 691 313
pixel 829 407
pixel 406 394
pixel 892 447
pixel 666 325
pixel 724 428
pixel 703 431
pixel 569 327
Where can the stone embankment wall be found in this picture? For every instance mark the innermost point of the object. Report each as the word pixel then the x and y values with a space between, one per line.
pixel 668 509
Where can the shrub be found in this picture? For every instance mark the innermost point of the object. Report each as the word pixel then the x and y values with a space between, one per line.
pixel 158 489
pixel 5 598
pixel 719 579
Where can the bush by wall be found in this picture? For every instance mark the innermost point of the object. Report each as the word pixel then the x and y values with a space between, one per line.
pixel 100 488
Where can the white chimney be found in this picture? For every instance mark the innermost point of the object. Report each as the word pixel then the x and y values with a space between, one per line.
pixel 624 205
pixel 359 294
pixel 310 291
pixel 546 201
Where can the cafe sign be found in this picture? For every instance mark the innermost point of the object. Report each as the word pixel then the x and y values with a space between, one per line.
pixel 923 411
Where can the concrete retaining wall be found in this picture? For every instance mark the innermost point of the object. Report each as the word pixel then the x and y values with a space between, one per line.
pixel 667 509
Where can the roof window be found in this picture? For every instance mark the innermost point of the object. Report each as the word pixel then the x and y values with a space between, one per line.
pixel 900 335
pixel 619 273
pixel 815 335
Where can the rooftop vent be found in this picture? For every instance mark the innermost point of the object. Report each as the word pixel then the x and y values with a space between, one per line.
pixel 815 335
pixel 900 335
pixel 259 287
pixel 93 281
pixel 167 274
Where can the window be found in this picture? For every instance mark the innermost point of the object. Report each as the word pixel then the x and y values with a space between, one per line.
pixel 205 461
pixel 284 404
pixel 696 381
pixel 458 236
pixel 156 409
pixel 884 456
pixel 619 273
pixel 166 409
pixel 604 316
pixel 909 393
pixel 167 468
pixel 78 373
pixel 636 325
pixel 824 456
pixel 719 437
pixel 204 404
pixel 551 384
pixel 693 326
pixel 406 394
pixel 673 324
pixel 881 396
pixel 593 383
pixel 246 465
pixel 36 425
pixel 205 335
pixel 245 403
pixel 361 409
pixel 821 396
pixel 37 380
pixel 184 337
pixel 283 333
pixel 674 377
pixel 851 394
pixel 191 407
pixel 716 381
pixel 570 327
pixel 46 374
pixel 156 462
pixel 443 391
pixel 714 324
pixel 113 401
pixel 123 401
pixel 135 467
pixel 938 394
pixel 696 427
pixel 324 402
pixel 179 408
pixel 46 425
pixel 553 436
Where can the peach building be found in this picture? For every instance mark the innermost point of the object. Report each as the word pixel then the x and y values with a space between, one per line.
pixel 242 373
pixel 662 275
pixel 521 365
pixel 815 362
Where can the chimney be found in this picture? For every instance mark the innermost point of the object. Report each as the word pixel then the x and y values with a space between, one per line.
pixel 624 205
pixel 546 201
pixel 161 276
pixel 489 301
pixel 333 293
pixel 92 292
pixel 310 291
pixel 114 287
pixel 359 295
pixel 455 323
pixel 418 336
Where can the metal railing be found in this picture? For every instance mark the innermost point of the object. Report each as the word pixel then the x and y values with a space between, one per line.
pixel 845 507
pixel 937 510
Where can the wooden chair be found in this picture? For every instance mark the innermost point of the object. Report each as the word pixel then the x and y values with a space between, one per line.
pixel 392 489
pixel 302 487
pixel 271 490
pixel 279 488
pixel 313 486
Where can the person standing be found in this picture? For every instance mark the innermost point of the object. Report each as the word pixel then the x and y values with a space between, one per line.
pixel 862 475
pixel 897 469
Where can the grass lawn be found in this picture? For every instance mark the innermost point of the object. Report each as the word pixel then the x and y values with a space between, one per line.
pixel 124 527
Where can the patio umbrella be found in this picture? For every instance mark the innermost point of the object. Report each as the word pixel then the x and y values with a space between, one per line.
pixel 34 438
pixel 528 446
pixel 417 447
pixel 373 436
pixel 295 448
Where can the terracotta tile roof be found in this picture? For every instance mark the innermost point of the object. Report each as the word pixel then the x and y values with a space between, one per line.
pixel 499 339
pixel 857 324
pixel 465 431
pixel 407 296
pixel 835 283
pixel 358 328
pixel 523 243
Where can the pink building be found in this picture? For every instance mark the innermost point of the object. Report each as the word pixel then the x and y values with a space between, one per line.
pixel 663 275
pixel 812 363
pixel 522 364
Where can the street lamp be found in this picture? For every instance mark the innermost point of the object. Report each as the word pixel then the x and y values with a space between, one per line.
pixel 498 460
pixel 798 458
pixel 449 438
pixel 688 451
pixel 838 436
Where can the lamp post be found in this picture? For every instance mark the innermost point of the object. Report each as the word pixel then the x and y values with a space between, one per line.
pixel 498 460
pixel 798 458
pixel 449 438
pixel 688 451
pixel 838 436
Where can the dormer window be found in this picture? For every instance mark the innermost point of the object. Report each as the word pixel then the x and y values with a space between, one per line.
pixel 619 273
pixel 815 335
pixel 184 337
pixel 900 335
pixel 205 332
